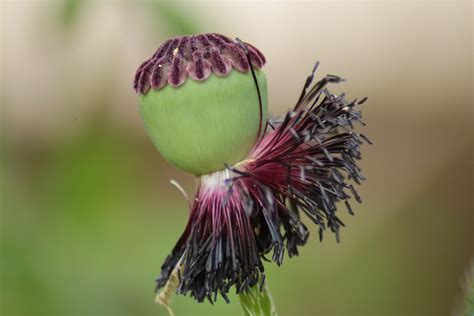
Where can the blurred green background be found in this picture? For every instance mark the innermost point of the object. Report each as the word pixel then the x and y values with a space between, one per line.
pixel 87 211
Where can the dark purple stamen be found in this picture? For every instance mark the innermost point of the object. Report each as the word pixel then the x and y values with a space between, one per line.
pixel 304 164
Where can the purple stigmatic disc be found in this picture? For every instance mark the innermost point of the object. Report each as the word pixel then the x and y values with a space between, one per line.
pixel 195 56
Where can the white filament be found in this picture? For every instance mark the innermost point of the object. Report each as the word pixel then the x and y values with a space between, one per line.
pixel 216 180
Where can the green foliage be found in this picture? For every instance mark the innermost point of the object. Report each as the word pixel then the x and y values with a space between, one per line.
pixel 257 303
pixel 170 14
pixel 69 12
pixel 469 293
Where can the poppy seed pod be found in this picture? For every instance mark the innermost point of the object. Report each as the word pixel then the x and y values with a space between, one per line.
pixel 211 119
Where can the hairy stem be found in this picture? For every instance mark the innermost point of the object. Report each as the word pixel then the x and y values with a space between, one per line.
pixel 163 297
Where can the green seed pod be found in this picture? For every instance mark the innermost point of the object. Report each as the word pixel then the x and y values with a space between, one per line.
pixel 214 119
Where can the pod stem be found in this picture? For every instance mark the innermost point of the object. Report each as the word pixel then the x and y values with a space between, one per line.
pixel 257 302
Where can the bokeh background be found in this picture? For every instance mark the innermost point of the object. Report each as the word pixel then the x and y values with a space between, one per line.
pixel 87 211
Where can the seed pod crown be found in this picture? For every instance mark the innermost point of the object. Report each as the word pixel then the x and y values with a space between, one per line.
pixel 196 56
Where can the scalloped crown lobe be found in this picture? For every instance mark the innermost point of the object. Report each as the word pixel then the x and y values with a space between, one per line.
pixel 195 56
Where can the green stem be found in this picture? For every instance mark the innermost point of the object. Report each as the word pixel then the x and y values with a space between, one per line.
pixel 469 292
pixel 257 303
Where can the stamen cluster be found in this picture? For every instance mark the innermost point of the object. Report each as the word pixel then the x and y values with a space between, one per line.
pixel 305 163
